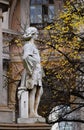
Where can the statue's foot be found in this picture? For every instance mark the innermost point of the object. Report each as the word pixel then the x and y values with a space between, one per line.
pixel 32 115
pixel 36 115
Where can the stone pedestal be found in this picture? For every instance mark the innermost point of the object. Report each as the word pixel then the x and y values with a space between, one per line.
pixel 32 120
pixel 7 115
pixel 23 110
pixel 23 105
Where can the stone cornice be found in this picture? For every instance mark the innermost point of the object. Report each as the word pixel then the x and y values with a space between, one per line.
pixel 4 5
pixel 4 2
pixel 9 31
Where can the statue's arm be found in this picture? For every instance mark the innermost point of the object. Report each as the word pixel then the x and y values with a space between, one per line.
pixel 28 59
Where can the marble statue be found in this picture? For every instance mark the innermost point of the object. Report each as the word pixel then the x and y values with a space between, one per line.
pixel 31 80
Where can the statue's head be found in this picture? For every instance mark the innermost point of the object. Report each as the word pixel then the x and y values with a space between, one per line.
pixel 31 32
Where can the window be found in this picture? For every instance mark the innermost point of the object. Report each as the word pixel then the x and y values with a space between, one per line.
pixel 36 14
pixel 41 11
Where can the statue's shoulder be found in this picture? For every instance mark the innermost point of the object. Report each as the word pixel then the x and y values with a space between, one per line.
pixel 27 44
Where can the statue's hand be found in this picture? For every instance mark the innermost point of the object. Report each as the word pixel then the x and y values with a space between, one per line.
pixel 19 94
pixel 20 91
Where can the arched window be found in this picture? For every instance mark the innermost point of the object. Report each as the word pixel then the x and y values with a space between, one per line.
pixel 41 11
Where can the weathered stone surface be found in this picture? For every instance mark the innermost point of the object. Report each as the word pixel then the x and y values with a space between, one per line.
pixel 31 120
pixel 6 115
pixel 35 126
pixel 23 105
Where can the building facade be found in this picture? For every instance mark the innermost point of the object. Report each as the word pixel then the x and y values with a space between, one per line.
pixel 17 16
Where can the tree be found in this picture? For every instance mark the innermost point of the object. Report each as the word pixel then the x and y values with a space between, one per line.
pixel 63 60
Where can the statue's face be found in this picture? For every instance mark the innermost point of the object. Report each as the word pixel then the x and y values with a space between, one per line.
pixel 35 36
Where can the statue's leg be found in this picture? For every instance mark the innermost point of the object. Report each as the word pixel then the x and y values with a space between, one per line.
pixel 39 92
pixel 32 102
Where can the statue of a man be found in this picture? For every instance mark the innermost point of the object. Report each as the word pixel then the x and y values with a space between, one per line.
pixel 32 75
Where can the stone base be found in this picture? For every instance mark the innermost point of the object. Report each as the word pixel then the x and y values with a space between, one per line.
pixel 31 120
pixel 7 115
pixel 31 126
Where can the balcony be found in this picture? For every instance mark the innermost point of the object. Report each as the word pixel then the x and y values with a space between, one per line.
pixel 4 4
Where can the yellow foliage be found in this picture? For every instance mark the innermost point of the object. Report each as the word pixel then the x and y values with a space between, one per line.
pixel 19 45
pixel 16 41
pixel 48 27
pixel 56 46
pixel 48 43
